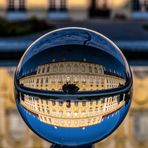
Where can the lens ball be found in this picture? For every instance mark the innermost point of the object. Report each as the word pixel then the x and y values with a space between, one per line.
pixel 73 87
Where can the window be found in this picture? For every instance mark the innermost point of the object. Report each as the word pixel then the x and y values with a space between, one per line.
pixel 83 68
pixel 96 70
pixel 55 69
pixel 75 113
pixel 61 68
pixel 48 111
pixel 41 81
pixel 75 68
pixel 61 113
pixel 48 68
pixel 90 69
pixel 91 102
pixel 68 114
pixel 68 68
pixel 61 103
pixel 43 69
pixel 46 81
pixel 53 102
pixel 68 104
pixel 37 81
pixel 76 103
pixel 38 70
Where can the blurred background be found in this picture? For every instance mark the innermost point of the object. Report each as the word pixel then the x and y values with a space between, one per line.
pixel 125 22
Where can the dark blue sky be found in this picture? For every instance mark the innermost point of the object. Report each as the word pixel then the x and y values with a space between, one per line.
pixel 74 53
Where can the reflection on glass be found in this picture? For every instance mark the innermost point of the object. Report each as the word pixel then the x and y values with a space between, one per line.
pixel 74 81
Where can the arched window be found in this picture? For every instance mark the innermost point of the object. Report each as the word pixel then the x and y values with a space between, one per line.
pixel 83 68
pixel 48 68
pixel 75 68
pixel 83 103
pixel 55 69
pixel 43 69
pixel 61 68
pixel 41 81
pixel 90 69
pixel 96 70
pixel 68 68
pixel 38 70
pixel 46 81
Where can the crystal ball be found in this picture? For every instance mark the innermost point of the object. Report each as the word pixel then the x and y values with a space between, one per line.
pixel 73 86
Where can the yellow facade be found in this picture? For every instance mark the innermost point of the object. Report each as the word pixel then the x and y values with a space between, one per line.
pixel 124 137
pixel 86 76
pixel 71 113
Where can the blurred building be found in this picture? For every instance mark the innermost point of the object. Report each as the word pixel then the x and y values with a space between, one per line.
pixel 76 10
pixel 131 134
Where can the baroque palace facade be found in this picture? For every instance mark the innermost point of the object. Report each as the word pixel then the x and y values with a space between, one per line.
pixel 131 134
pixel 87 76
pixel 68 9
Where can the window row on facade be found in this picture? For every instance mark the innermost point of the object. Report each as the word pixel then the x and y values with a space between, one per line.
pixel 83 82
pixel 70 123
pixel 70 67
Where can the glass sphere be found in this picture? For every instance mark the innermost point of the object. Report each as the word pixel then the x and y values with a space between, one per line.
pixel 73 87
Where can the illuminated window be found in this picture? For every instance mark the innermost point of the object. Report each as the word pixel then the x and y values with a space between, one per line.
pixel 76 122
pixel 83 113
pixel 75 113
pixel 68 121
pixel 68 114
pixel 61 113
